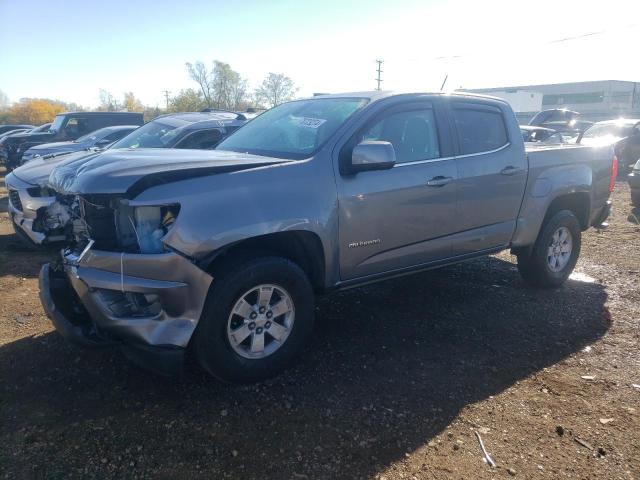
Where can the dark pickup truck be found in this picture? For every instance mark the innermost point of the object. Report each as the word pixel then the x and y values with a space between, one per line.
pixel 65 127
pixel 221 251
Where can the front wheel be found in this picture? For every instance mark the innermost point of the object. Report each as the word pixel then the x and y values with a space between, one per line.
pixel 555 252
pixel 257 318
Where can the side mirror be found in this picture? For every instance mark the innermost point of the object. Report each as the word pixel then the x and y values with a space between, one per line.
pixel 372 155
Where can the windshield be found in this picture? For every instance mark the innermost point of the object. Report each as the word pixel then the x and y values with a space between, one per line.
pixel 293 130
pixel 156 134
pixel 608 130
pixel 93 136
pixel 57 123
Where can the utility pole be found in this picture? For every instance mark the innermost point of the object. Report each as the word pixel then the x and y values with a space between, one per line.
pixel 166 96
pixel 379 80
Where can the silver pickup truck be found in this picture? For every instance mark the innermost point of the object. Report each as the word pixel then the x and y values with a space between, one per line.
pixel 222 251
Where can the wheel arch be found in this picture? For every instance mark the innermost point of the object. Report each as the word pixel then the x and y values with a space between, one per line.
pixel 302 247
pixel 577 202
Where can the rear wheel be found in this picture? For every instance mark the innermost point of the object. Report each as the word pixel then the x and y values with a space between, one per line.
pixel 555 252
pixel 257 318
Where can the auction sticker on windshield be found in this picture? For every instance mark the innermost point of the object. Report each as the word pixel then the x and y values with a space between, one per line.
pixel 311 122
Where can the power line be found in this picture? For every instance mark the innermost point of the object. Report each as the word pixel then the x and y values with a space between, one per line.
pixel 166 96
pixel 379 80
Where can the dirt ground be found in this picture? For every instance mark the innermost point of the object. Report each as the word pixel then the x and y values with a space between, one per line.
pixel 396 382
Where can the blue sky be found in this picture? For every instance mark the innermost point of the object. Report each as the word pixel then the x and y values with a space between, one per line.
pixel 70 49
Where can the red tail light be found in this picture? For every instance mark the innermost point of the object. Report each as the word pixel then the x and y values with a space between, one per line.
pixel 614 173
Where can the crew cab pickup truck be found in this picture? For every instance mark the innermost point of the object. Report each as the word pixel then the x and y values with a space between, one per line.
pixel 222 251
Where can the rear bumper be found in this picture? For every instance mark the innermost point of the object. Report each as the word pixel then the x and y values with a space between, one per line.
pixel 601 216
pixel 95 300
pixel 634 180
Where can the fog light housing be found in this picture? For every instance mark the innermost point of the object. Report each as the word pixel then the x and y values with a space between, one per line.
pixel 131 304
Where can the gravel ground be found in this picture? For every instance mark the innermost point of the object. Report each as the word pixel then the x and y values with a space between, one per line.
pixel 397 381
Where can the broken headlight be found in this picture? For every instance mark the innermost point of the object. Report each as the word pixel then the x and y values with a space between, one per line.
pixel 150 224
pixel 41 191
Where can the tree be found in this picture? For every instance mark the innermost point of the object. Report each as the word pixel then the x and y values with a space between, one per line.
pixel 199 74
pixel 187 101
pixel 108 102
pixel 275 89
pixel 4 100
pixel 131 103
pixel 221 87
pixel 35 111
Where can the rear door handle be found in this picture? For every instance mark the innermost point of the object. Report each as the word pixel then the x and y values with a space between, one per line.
pixel 510 170
pixel 439 181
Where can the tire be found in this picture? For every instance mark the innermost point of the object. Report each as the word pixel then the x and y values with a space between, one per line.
pixel 536 268
pixel 217 341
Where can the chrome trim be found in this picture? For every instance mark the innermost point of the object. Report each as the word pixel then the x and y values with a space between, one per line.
pixel 420 162
pixel 508 144
pixel 434 160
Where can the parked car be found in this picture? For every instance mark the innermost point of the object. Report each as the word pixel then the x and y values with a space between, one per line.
pixel 4 136
pixel 221 251
pixel 560 120
pixel 540 134
pixel 634 184
pixel 197 130
pixel 30 197
pixel 65 127
pixel 623 134
pixel 98 139
pixel 8 128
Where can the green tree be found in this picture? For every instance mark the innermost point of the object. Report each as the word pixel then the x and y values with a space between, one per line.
pixel 221 86
pixel 187 100
pixel 275 89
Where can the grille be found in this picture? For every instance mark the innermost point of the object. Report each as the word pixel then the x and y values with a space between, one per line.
pixel 14 198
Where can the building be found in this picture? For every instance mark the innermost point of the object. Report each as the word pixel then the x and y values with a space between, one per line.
pixel 598 100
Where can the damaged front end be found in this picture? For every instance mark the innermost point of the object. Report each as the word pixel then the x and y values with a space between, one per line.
pixel 131 289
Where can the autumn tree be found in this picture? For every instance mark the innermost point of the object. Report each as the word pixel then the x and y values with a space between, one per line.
pixel 187 100
pixel 35 111
pixel 131 103
pixel 276 88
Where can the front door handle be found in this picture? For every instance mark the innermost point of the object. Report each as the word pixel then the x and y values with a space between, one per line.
pixel 439 181
pixel 510 170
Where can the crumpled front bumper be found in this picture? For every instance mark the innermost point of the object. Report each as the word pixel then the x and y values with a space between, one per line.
pixel 23 216
pixel 84 297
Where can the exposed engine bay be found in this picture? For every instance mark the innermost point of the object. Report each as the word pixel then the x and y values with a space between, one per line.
pixel 111 222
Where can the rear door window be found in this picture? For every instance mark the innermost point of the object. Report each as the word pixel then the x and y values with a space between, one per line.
pixel 479 129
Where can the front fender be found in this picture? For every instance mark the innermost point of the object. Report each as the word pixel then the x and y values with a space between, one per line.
pixel 221 210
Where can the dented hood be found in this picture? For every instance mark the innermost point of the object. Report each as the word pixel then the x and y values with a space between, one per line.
pixel 129 171
pixel 37 171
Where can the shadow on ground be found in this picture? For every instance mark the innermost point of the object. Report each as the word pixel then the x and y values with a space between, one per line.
pixel 390 366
